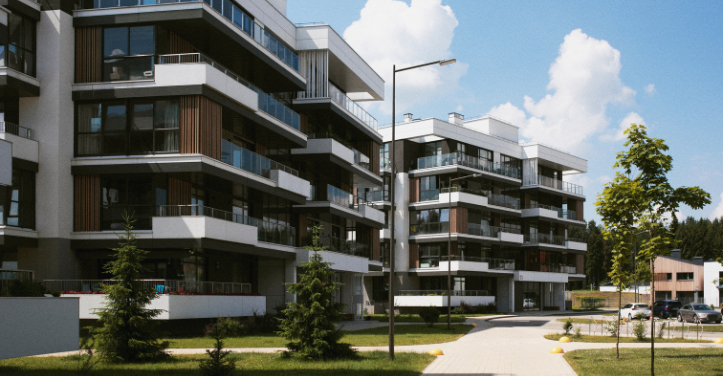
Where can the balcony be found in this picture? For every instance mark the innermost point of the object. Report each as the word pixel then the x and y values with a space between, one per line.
pixel 347 247
pixel 545 239
pixel 555 184
pixel 480 264
pixel 558 268
pixel 501 234
pixel 24 146
pixel 549 211
pixel 8 276
pixel 339 202
pixel 225 8
pixel 160 286
pixel 17 130
pixel 438 298
pixel 472 197
pixel 459 159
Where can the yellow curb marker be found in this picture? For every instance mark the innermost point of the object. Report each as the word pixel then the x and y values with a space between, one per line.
pixel 556 350
pixel 719 340
pixel 436 352
pixel 475 325
pixel 564 339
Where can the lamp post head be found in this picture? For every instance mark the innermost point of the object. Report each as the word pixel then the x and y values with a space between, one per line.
pixel 476 175
pixel 447 62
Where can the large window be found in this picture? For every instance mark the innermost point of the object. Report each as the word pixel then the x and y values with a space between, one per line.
pixel 128 127
pixel 17 202
pixel 126 195
pixel 683 276
pixel 429 254
pixel 510 162
pixel 432 221
pixel 19 53
pixel 384 161
pixel 485 154
pixel 128 53
pixel 429 188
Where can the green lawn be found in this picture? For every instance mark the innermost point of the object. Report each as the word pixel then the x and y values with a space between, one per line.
pixel 367 364
pixel 636 362
pixel 610 339
pixel 706 327
pixel 403 335
pixel 414 318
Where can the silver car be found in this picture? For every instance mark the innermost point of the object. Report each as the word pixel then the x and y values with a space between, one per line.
pixel 699 313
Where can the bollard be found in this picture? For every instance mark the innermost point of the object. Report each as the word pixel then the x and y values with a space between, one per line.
pixel 556 350
pixel 564 339
pixel 436 352
pixel 719 340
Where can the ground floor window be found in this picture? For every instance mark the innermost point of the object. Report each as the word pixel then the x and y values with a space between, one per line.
pixel 531 296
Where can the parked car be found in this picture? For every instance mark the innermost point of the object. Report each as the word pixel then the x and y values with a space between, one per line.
pixel 631 310
pixel 666 308
pixel 699 313
pixel 529 303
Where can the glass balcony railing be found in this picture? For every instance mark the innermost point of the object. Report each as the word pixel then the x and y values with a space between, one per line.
pixel 377 195
pixel 247 160
pixel 467 161
pixel 504 201
pixel 544 239
pixel 228 10
pixel 339 97
pixel 348 247
pixel 9 276
pixel 339 197
pixel 443 293
pixel 267 231
pixel 559 185
pixel 361 160
pixel 385 164
pixel 558 268
pixel 493 263
pixel 266 102
pixel 561 213
pixel 17 130
pixel 429 228
pixel 160 286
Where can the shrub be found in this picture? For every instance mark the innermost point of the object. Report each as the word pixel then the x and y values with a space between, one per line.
pixel 662 329
pixel 55 294
pixel 591 302
pixel 430 315
pixel 577 332
pixel 567 326
pixel 466 308
pixel 457 311
pixel 640 317
pixel 639 330
pixel 612 327
pixel 26 289
pixel 486 308
pixel 218 363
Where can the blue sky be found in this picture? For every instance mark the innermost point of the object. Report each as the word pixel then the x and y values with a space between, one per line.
pixel 506 50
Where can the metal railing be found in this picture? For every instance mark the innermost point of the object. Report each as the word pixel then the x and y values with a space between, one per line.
pixel 343 198
pixel 558 184
pixel 372 196
pixel 339 97
pixel 558 268
pixel 348 247
pixel 267 231
pixel 544 239
pixel 247 160
pixel 476 192
pixel 8 276
pixel 479 230
pixel 472 229
pixel 504 201
pixel 15 129
pixel 228 10
pixel 572 239
pixel 266 102
pixel 442 293
pixel 492 263
pixel 161 286
pixel 460 159
pixel 561 213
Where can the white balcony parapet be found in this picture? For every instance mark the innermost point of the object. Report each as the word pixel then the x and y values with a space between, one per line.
pixel 290 182
pixel 576 245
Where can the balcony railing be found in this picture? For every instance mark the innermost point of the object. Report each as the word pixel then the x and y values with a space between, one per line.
pixel 467 161
pixel 558 268
pixel 504 201
pixel 8 276
pixel 15 129
pixel 385 164
pixel 267 231
pixel 339 97
pixel 476 192
pixel 544 239
pixel 161 286
pixel 492 263
pixel 429 228
pixel 472 229
pixel 361 160
pixel 372 196
pixel 247 160
pixel 349 247
pixel 341 198
pixel 561 213
pixel 559 185
pixel 266 103
pixel 228 10
pixel 443 293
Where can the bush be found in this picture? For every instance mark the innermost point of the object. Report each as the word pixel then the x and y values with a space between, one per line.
pixel 26 289
pixel 466 308
pixel 458 311
pixel 662 330
pixel 218 364
pixel 578 332
pixel 55 294
pixel 591 302
pixel 567 326
pixel 486 308
pixel 612 327
pixel 430 315
pixel 639 330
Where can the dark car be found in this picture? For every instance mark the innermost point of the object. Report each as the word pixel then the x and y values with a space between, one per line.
pixel 666 308
pixel 699 313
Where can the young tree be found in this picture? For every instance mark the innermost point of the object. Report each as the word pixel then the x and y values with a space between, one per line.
pixel 127 333
pixel 218 363
pixel 310 322
pixel 632 206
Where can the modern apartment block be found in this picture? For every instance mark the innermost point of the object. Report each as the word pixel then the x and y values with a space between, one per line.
pixel 227 130
pixel 509 220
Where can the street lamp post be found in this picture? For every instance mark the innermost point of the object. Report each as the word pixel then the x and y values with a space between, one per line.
pixel 392 244
pixel 449 246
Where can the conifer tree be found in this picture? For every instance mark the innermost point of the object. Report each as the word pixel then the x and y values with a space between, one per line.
pixel 127 333
pixel 310 322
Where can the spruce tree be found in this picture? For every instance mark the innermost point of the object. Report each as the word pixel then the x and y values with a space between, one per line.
pixel 127 331
pixel 310 322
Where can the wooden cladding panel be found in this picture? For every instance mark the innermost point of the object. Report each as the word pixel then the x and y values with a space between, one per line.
pixel 579 212
pixel 458 217
pixel 87 54
pixel 302 233
pixel 374 158
pixel 179 45
pixel 179 192
pixel 260 149
pixel 376 245
pixel 200 126
pixel 369 235
pixel 303 123
pixel 413 255
pixel 414 190
pixel 580 264
pixel 665 265
pixel 87 203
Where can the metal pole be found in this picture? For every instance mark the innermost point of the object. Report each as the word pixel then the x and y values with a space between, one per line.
pixel 392 245
pixel 449 254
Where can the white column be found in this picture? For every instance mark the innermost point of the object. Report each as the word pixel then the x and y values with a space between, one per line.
pixel 512 294
pixel 290 275
pixel 401 218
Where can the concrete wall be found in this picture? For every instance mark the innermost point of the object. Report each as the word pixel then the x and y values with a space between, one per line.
pixel 711 275
pixel 440 301
pixel 203 227
pixel 23 148
pixel 272 276
pixel 505 295
pixel 34 326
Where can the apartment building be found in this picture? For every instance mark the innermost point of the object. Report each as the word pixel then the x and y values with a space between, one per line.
pixel 679 279
pixel 224 128
pixel 508 220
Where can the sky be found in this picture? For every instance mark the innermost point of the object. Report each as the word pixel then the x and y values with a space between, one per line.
pixel 570 74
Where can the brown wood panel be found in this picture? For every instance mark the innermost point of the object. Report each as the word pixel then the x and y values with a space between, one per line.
pixel 413 190
pixel 413 255
pixel 458 217
pixel 374 158
pixel 179 192
pixel 580 264
pixel 87 203
pixel 200 126
pixel 189 124
pixel 179 45
pixel 375 245
pixel 87 54
pixel 302 233
pixel 664 265
pixel 260 149
pixel 579 212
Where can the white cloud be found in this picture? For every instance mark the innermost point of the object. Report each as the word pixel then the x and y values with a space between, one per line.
pixel 604 179
pixel 584 80
pixel 650 89
pixel 667 217
pixel 718 211
pixel 391 32
pixel 632 118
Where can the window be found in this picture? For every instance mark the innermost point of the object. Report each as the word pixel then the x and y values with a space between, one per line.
pixel 684 276
pixel 432 221
pixel 128 53
pixel 17 202
pixel 510 162
pixel 21 45
pixel 485 155
pixel 131 195
pixel 429 188
pixel 429 254
pixel 276 210
pixel 128 127
pixel 461 148
pixel 510 224
pixel 668 276
pixel 433 149
pixel 384 161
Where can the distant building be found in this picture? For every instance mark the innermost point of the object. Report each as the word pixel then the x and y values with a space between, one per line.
pixel 713 291
pixel 678 279
pixel 643 288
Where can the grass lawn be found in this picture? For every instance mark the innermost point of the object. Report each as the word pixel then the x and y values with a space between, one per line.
pixel 580 321
pixel 367 364
pixel 636 362
pixel 403 335
pixel 706 327
pixel 609 339
pixel 415 318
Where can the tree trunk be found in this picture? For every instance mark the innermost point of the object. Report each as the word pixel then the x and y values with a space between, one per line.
pixel 620 305
pixel 652 317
